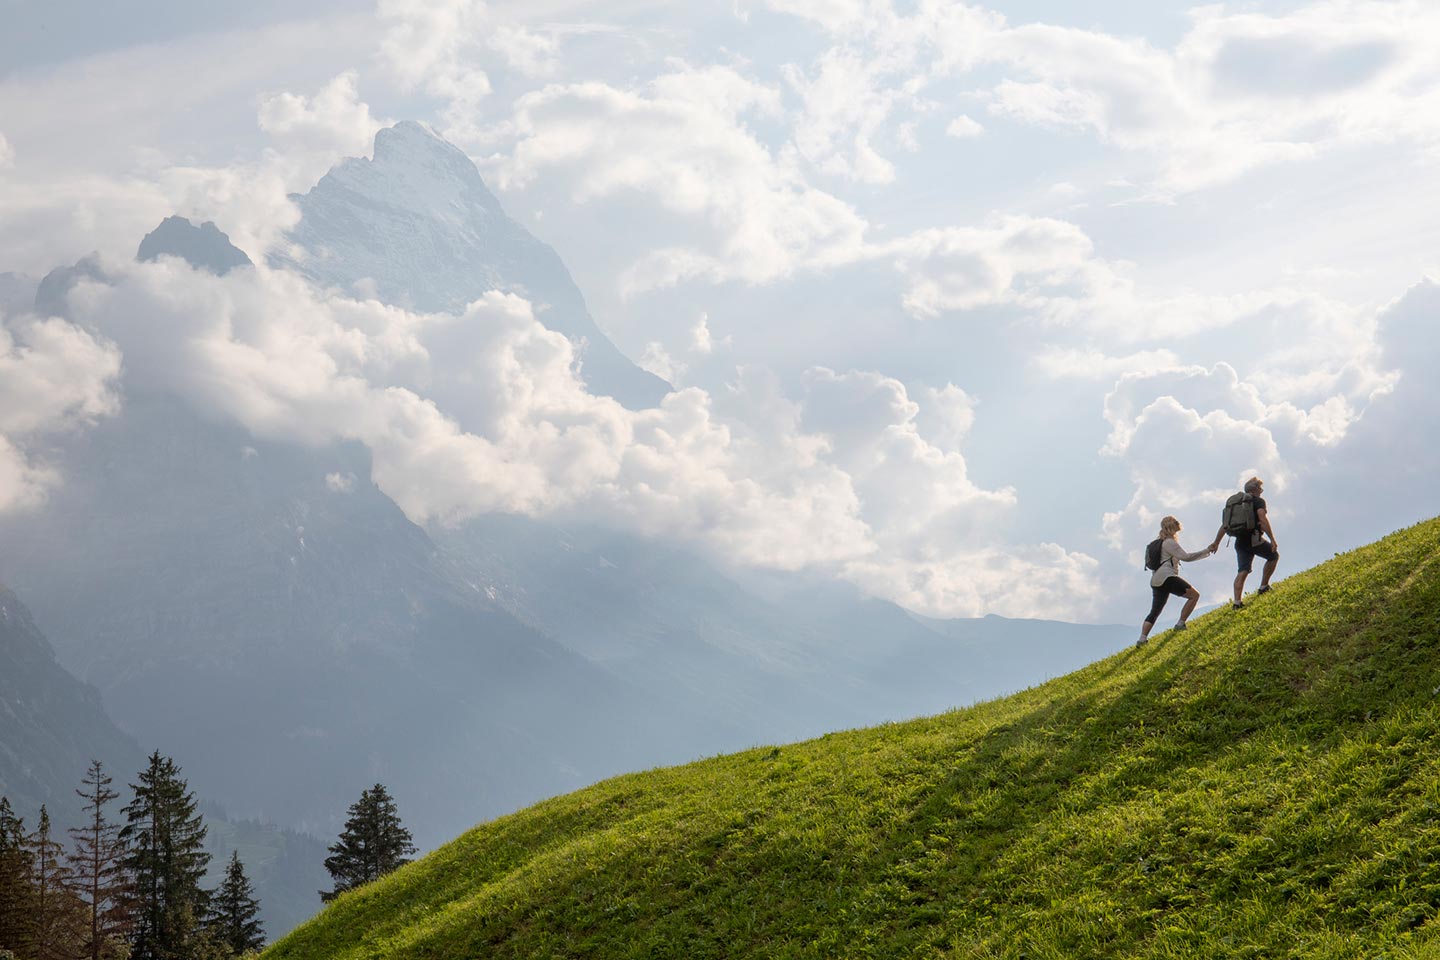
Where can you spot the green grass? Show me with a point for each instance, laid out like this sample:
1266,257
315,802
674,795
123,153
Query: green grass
1266,784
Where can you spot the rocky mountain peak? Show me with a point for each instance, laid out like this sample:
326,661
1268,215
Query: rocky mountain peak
416,227
415,170
204,247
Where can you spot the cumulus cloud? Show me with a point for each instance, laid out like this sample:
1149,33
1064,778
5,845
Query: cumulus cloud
252,197
1238,91
843,108
1186,463
1342,471
1189,434
334,121
744,212
525,51
964,127
658,361
741,211
946,415
54,377
934,529
702,341
681,143
44,222
1396,418
483,412
434,46
959,268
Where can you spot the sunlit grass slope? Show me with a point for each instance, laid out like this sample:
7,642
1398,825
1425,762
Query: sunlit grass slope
1265,785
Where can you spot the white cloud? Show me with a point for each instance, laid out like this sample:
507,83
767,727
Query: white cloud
435,45
340,482
46,222
701,340
54,377
963,128
934,529
1040,581
681,144
527,52
483,412
833,15
960,268
1238,91
658,361
251,199
334,122
1189,434
946,415
7,152
843,108
1092,364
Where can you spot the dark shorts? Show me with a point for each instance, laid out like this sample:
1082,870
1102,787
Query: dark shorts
1245,553
1173,586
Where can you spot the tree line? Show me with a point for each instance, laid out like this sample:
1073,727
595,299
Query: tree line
127,888
131,888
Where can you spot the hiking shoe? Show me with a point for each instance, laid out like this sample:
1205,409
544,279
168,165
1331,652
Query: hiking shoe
1141,642
1264,588
1179,625
1237,606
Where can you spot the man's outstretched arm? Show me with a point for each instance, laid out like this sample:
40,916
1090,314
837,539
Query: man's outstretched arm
1219,535
1263,521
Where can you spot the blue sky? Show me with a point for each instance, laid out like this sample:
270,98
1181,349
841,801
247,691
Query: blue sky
971,295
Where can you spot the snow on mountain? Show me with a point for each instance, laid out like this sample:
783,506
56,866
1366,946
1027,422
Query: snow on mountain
415,226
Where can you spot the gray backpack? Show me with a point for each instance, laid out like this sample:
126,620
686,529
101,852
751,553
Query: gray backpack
1239,515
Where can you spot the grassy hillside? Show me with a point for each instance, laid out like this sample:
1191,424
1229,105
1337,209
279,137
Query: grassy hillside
1266,784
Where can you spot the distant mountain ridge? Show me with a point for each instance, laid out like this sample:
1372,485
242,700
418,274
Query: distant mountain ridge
52,725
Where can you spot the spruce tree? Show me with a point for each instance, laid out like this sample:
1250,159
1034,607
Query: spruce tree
234,910
98,866
17,893
372,844
166,861
57,924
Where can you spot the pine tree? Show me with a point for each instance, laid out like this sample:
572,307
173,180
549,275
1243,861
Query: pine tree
17,893
372,844
166,861
98,868
57,929
234,910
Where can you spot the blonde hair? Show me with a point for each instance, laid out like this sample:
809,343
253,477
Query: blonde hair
1169,526
1252,485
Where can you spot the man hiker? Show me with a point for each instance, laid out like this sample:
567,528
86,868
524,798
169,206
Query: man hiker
1246,520
1164,557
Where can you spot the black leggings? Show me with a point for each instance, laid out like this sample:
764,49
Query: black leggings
1172,585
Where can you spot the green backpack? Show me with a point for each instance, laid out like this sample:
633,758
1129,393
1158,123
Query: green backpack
1239,515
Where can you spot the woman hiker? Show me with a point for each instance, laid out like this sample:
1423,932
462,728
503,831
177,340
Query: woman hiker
1166,580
